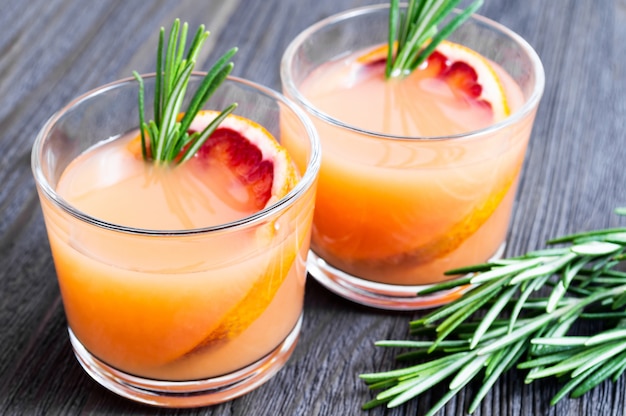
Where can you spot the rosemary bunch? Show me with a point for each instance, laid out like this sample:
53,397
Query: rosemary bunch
415,33
500,322
168,138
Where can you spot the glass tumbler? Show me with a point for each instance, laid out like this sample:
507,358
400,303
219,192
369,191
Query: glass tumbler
178,318
394,213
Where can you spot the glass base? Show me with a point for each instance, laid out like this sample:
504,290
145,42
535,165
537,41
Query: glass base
197,393
380,295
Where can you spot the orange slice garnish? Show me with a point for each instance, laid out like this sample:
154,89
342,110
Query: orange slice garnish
473,79
266,168
469,75
252,155
472,74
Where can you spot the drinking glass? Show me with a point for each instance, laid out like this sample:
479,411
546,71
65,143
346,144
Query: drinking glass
178,318
394,213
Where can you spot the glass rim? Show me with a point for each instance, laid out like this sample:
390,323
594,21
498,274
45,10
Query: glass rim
305,182
529,105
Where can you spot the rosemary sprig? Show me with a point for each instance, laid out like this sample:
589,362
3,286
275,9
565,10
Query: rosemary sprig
168,137
498,324
415,33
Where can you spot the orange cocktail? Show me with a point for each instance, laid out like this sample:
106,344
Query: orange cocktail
418,174
178,290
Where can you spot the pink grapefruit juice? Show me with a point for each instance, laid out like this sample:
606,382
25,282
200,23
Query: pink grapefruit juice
400,199
173,307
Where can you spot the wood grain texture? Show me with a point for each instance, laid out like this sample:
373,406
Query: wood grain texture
54,50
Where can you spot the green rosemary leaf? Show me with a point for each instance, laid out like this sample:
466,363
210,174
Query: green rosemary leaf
373,403
586,234
500,272
583,283
452,26
523,331
572,269
618,238
612,335
168,80
142,120
158,87
556,329
545,269
619,370
209,84
413,11
556,295
195,146
569,386
170,113
499,332
579,291
615,273
384,384
619,301
581,361
449,309
495,360
608,351
199,38
419,344
598,374
220,75
416,381
416,32
521,301
595,248
394,20
492,314
453,321
545,360
446,285
562,341
171,142
595,297
167,135
424,384
182,44
153,129
373,377
468,372
603,315
510,355
465,270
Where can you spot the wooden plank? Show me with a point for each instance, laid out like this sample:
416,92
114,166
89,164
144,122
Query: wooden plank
54,50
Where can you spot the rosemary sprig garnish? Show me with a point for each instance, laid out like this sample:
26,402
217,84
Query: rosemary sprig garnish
168,134
498,323
415,33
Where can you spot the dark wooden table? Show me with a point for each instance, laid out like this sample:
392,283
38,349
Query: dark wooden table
54,50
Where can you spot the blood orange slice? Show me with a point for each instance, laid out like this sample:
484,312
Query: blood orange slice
249,154
245,150
468,74
475,80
